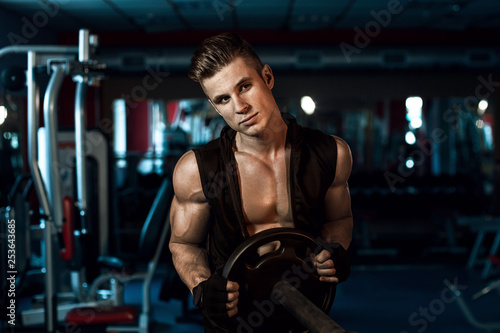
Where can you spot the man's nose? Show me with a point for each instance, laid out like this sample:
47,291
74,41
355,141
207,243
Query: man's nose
241,106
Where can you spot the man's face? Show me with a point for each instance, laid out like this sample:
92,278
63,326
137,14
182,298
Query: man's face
242,96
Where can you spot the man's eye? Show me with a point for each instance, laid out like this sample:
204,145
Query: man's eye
245,87
224,100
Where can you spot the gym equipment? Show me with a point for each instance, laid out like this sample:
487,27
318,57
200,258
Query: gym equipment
50,219
55,159
307,313
152,240
74,254
58,62
282,276
482,225
464,307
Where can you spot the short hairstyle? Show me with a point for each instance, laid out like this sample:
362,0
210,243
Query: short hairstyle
216,52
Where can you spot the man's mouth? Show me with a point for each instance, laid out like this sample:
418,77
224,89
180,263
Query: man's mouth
248,118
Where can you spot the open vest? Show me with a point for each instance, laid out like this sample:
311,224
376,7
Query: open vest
313,161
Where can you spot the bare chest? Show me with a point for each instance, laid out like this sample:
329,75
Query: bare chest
265,195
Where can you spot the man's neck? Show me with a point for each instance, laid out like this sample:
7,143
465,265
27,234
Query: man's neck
271,141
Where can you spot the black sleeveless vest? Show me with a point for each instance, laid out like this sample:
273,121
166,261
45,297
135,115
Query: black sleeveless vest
313,161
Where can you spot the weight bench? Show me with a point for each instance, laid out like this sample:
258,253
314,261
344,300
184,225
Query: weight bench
152,239
482,225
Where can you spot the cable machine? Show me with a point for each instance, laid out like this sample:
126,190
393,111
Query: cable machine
55,211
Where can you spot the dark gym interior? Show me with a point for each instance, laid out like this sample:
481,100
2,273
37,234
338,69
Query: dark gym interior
96,108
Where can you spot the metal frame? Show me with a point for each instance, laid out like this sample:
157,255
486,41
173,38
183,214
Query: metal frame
469,316
48,190
47,181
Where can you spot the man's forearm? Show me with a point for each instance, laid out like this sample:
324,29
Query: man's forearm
339,231
191,263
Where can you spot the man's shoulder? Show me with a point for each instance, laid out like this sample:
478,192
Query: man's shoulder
186,178
341,144
186,164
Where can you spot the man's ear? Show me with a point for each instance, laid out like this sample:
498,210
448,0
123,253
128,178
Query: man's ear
214,106
267,75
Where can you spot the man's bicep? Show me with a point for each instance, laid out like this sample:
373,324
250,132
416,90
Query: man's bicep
189,222
344,163
187,241
338,198
190,211
338,226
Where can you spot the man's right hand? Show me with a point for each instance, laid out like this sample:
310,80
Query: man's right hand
233,295
218,298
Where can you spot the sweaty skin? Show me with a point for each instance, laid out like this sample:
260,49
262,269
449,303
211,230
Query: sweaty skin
243,97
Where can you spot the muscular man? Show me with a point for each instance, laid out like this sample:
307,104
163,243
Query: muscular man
265,171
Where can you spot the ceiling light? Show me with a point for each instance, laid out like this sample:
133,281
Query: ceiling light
307,104
482,106
414,102
416,123
410,138
3,114
410,163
